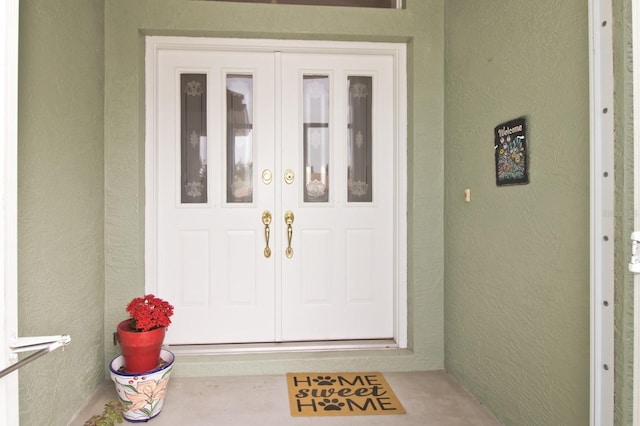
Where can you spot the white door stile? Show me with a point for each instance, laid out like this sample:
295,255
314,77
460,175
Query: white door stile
278,236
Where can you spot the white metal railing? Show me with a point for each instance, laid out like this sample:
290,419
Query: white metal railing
42,344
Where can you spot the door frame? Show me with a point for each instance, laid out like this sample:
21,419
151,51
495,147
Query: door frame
154,44
9,396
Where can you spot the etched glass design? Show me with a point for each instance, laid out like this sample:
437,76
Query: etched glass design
239,138
359,128
193,138
316,137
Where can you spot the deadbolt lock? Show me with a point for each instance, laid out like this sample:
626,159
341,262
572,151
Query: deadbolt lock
288,176
266,176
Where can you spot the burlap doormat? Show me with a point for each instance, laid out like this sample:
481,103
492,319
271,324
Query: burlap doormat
341,394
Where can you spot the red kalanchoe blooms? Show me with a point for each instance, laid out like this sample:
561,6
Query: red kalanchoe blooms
149,312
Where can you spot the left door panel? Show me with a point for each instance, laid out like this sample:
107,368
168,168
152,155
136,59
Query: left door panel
211,262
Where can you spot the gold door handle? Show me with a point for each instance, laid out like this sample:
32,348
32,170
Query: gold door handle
266,219
288,220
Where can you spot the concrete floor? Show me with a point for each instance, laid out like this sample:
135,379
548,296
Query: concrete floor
430,398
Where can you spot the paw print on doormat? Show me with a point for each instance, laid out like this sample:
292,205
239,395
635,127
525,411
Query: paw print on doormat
331,404
324,381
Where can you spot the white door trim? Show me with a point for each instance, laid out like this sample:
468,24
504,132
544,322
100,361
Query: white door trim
9,410
602,211
156,44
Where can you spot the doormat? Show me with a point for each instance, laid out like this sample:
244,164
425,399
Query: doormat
341,394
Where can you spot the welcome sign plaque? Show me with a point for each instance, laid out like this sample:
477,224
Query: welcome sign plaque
511,156
341,394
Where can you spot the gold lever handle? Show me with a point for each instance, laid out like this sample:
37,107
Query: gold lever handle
288,220
266,219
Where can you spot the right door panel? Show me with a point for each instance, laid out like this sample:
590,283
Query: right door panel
338,137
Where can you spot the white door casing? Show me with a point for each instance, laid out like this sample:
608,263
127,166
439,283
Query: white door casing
339,248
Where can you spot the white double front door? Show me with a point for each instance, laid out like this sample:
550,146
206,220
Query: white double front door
271,192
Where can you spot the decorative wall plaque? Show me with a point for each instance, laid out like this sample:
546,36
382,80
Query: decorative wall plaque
510,144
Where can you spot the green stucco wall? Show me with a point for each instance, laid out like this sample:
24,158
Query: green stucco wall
421,25
517,258
512,321
60,203
624,212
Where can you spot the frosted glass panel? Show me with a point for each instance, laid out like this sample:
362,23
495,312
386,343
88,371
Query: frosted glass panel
193,139
239,138
359,172
316,137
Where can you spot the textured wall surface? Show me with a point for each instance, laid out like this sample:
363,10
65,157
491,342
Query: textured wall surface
624,212
421,24
516,307
60,203
517,258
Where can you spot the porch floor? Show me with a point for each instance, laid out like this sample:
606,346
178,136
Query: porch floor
431,398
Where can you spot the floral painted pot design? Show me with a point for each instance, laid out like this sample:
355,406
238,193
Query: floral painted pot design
142,393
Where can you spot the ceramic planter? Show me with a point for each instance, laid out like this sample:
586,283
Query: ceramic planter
142,393
140,349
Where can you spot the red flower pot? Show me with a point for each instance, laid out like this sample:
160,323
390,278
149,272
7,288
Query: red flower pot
140,349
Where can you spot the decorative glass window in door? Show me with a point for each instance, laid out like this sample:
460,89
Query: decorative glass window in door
316,137
359,127
239,138
193,143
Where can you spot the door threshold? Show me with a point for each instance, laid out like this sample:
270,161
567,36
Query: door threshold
275,347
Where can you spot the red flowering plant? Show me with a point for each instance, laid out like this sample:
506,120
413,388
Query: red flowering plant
149,312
